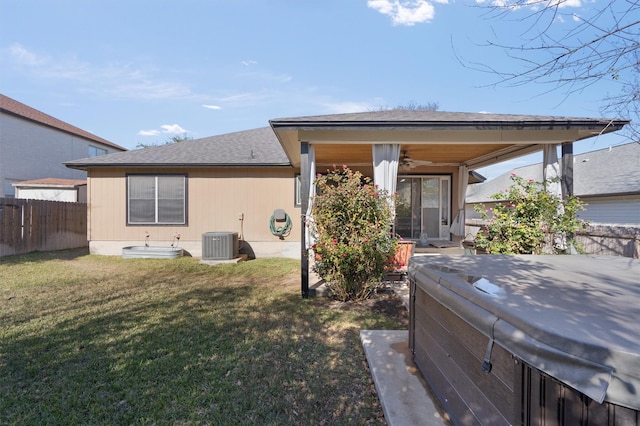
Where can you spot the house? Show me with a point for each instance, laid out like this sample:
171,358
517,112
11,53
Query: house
236,182
607,180
52,189
227,183
34,145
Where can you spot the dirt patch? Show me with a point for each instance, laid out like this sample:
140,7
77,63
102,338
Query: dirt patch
385,303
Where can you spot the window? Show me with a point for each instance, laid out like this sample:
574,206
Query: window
94,151
156,199
423,207
297,190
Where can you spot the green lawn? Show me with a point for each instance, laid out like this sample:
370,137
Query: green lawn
105,340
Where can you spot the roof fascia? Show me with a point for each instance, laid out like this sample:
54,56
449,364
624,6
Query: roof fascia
610,126
86,166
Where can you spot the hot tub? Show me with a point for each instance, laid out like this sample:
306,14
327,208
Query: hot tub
529,339
151,252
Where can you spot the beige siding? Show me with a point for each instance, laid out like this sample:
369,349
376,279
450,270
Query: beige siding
216,199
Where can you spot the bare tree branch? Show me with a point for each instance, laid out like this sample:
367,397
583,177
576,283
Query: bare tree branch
570,51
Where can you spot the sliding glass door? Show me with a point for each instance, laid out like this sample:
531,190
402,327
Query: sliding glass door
423,207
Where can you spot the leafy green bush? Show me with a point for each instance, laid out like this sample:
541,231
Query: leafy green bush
530,220
352,226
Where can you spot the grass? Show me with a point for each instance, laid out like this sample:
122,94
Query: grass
105,340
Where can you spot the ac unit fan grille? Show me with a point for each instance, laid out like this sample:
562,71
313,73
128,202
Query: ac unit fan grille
219,245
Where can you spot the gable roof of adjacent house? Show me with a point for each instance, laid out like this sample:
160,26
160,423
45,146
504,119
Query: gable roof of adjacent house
249,148
18,109
605,172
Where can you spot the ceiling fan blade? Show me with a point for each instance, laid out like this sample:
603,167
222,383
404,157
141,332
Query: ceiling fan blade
422,162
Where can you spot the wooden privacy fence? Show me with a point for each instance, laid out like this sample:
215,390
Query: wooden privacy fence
37,225
611,240
597,239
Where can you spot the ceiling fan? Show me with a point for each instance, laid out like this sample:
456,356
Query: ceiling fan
407,162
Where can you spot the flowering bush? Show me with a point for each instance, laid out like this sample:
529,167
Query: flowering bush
352,226
530,221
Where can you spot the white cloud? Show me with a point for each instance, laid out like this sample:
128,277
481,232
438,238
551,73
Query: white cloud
249,62
144,89
211,106
174,129
111,80
25,57
407,13
347,107
247,99
533,4
568,3
149,132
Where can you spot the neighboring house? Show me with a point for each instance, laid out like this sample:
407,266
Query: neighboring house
52,189
34,145
235,182
607,180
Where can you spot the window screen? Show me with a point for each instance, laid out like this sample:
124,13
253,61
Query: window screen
157,199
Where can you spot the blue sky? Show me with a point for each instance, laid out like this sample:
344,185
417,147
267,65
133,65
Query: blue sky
142,71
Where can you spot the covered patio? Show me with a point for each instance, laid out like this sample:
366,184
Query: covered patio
426,157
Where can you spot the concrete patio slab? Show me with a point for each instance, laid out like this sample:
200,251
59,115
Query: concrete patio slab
404,395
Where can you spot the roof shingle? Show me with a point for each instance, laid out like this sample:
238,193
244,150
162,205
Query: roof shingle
610,171
256,147
437,117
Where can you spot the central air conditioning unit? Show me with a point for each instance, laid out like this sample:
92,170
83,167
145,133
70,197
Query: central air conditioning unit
219,245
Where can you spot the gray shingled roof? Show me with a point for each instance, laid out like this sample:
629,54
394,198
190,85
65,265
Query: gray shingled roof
256,147
409,117
611,171
18,109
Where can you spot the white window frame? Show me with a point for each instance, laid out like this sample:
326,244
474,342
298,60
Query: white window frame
156,200
444,202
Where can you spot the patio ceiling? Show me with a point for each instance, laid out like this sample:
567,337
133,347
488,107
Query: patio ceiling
435,154
442,138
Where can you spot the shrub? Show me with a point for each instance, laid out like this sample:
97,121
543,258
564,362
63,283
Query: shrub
352,226
531,220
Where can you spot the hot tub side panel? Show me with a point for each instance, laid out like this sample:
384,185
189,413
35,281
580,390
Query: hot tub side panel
546,401
449,352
